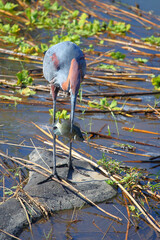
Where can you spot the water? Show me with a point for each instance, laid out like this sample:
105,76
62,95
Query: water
16,128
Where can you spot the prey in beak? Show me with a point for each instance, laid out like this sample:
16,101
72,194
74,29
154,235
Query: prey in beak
63,128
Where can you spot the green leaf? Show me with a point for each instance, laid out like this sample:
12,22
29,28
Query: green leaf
152,40
118,27
60,115
105,66
24,78
132,207
101,42
8,192
75,14
55,6
26,91
10,98
156,82
10,6
141,60
117,55
113,104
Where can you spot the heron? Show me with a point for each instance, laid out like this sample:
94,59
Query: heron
64,66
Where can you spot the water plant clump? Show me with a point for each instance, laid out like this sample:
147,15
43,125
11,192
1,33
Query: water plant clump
60,114
66,26
118,27
103,103
132,178
141,60
110,165
156,82
23,78
117,55
8,28
106,67
152,40
8,6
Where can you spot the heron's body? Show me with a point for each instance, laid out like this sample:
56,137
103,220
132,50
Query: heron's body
57,62
64,67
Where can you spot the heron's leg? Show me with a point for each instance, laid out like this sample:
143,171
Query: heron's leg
54,144
54,91
70,167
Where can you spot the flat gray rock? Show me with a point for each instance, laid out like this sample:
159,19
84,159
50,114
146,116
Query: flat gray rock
52,195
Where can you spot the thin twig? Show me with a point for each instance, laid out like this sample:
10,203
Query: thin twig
14,237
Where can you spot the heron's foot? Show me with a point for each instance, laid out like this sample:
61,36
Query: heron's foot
50,178
70,172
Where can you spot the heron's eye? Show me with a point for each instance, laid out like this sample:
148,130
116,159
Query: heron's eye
55,127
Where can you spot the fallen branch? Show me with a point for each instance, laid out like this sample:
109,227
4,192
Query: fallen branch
14,237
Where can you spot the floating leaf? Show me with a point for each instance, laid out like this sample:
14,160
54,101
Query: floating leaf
60,115
10,98
105,66
156,82
117,55
141,60
24,78
26,91
152,40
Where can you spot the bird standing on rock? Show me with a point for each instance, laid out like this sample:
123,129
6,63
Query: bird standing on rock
64,66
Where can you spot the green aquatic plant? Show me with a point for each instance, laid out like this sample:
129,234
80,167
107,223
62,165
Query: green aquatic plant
12,39
106,67
10,191
37,18
118,27
141,60
124,146
51,6
5,97
68,26
117,56
109,131
111,165
152,40
8,6
156,82
26,91
60,114
61,38
8,28
130,176
135,211
103,103
23,78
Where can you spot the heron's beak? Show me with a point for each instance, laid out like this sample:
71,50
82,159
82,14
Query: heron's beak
73,104
74,79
